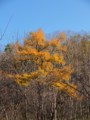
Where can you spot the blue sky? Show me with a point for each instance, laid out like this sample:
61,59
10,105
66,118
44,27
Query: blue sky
50,15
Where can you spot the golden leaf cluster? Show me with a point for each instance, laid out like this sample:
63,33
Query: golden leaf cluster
47,60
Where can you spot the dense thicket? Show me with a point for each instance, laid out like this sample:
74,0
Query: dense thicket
35,78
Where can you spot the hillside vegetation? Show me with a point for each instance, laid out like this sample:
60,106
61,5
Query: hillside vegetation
46,79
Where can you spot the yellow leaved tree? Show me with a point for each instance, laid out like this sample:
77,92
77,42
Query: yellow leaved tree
45,61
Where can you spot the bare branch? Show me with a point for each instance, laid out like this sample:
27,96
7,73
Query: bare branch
5,28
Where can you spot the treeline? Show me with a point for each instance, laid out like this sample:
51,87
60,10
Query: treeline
46,80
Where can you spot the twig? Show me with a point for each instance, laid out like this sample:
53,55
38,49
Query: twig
5,28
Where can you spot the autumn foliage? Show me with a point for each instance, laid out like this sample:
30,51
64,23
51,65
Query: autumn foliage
44,79
45,60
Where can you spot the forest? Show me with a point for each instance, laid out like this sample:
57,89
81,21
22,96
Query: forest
46,78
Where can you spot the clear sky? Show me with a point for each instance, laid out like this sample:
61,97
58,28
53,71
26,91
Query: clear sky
50,15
